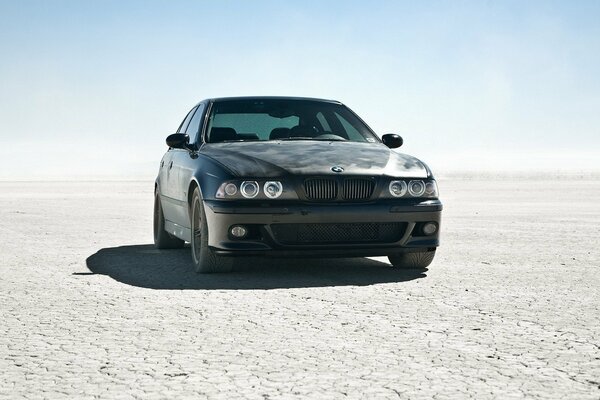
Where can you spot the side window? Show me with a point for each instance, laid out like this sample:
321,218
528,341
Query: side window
186,121
194,125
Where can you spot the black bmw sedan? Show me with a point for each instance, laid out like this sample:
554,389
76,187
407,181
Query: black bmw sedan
295,177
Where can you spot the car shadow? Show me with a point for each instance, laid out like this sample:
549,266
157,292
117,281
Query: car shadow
145,266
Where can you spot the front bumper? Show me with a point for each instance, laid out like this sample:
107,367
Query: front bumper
264,220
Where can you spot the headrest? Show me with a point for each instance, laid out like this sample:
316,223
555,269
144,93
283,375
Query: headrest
301,131
222,134
279,133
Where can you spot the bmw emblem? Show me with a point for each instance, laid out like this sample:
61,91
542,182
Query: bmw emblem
337,168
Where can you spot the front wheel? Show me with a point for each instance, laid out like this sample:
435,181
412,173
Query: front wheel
412,260
205,259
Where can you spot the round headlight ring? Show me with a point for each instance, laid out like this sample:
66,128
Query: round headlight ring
397,188
230,189
416,188
273,189
249,189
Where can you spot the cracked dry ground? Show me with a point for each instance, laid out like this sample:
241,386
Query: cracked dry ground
509,308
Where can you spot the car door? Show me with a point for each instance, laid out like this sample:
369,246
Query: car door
181,171
167,177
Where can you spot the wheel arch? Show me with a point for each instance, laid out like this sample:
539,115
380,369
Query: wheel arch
206,175
191,187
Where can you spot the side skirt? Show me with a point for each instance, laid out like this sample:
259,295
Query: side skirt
178,231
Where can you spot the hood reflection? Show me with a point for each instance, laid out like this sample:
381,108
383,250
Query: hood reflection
279,158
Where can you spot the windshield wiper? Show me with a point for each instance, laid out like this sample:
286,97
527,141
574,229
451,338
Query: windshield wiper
329,139
298,138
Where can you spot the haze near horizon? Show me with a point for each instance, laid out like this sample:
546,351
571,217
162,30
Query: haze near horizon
91,90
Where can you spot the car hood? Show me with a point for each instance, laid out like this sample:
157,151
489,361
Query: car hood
280,158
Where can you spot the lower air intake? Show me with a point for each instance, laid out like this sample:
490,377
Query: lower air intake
345,233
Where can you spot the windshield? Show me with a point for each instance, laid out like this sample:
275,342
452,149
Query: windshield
274,119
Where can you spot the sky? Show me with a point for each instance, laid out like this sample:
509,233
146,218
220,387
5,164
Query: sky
90,89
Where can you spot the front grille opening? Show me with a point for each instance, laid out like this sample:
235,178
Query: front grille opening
321,189
343,233
328,189
358,189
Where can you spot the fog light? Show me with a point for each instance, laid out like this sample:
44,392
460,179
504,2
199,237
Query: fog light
429,228
238,231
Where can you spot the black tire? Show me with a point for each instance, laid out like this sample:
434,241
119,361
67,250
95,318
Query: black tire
412,260
205,259
163,239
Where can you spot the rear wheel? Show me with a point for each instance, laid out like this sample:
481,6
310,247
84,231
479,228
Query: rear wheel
205,259
412,260
163,239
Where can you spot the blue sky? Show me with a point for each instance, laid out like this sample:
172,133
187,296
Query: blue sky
92,88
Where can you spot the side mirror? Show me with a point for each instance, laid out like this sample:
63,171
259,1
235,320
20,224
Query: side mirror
392,140
178,140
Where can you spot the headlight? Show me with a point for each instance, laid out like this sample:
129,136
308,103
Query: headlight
431,189
255,190
221,194
230,189
416,188
249,189
397,188
273,189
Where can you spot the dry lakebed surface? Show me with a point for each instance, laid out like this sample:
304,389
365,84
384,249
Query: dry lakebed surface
510,307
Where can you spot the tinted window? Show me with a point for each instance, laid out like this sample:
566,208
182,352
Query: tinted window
256,123
194,125
351,131
274,119
323,122
186,121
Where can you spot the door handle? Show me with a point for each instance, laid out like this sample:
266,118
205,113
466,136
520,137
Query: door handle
162,163
171,165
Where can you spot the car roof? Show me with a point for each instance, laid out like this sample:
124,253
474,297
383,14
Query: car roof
222,99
